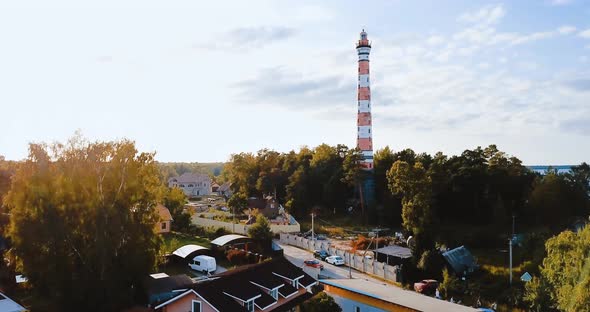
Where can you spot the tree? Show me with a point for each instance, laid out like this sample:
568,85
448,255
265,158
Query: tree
175,199
565,274
260,230
321,302
450,285
237,202
82,222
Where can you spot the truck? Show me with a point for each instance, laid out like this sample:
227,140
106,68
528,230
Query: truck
202,263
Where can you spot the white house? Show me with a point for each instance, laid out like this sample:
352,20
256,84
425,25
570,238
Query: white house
192,184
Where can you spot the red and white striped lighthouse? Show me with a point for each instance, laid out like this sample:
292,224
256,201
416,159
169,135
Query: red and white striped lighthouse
364,136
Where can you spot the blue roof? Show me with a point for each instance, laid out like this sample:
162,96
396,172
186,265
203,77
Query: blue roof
460,259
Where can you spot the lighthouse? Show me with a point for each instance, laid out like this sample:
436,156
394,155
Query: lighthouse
364,139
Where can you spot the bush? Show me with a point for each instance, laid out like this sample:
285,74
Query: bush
431,263
363,242
237,256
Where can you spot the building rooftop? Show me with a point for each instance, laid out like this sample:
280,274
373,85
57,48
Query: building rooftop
396,295
396,251
190,177
8,305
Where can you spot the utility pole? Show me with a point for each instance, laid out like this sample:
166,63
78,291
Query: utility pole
510,248
349,265
513,223
312,233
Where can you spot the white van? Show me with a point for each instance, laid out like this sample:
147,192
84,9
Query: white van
205,264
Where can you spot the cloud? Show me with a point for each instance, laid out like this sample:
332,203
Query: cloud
566,29
489,14
292,89
248,37
580,85
560,2
577,125
585,33
435,40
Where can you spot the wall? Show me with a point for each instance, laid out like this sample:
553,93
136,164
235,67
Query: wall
184,304
369,266
349,301
242,228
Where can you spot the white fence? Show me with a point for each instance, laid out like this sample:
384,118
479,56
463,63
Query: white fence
370,266
240,228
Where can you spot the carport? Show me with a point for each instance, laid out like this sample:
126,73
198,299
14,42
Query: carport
189,251
231,240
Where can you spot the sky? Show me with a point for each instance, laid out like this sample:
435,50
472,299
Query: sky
196,81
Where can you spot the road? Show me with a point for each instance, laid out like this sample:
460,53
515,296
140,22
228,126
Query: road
297,256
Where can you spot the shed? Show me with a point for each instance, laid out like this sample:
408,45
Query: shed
393,254
461,260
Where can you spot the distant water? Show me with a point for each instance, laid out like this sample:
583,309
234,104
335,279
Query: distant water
543,169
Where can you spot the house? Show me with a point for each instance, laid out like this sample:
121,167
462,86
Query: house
267,206
192,184
165,218
9,305
225,190
215,189
361,295
161,287
275,285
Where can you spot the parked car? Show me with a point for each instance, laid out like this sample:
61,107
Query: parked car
335,260
205,264
321,254
321,237
314,264
426,286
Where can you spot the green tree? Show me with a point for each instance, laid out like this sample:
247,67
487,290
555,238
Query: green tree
450,285
565,274
82,223
237,202
260,230
321,302
174,199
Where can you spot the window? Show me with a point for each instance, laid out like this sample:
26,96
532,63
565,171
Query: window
163,225
197,262
249,305
190,185
357,309
197,306
182,185
274,293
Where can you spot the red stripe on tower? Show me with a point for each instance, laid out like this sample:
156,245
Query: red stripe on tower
364,121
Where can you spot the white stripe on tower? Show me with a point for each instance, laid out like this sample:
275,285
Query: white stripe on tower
364,139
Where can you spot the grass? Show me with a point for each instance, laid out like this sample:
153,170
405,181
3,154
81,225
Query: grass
174,240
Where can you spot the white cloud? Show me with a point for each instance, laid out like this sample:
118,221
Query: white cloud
489,14
560,2
585,33
566,29
435,40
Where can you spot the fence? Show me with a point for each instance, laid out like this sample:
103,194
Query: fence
240,228
370,266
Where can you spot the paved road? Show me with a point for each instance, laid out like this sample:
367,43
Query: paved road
298,255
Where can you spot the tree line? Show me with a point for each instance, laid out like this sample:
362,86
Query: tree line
481,186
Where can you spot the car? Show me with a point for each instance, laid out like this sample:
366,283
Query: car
321,254
314,264
335,260
202,263
426,286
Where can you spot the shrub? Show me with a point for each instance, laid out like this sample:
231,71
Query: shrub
237,256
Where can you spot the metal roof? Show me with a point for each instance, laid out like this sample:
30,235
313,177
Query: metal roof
394,295
222,240
395,251
460,259
186,250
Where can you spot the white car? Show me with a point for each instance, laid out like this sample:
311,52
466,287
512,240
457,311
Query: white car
335,260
